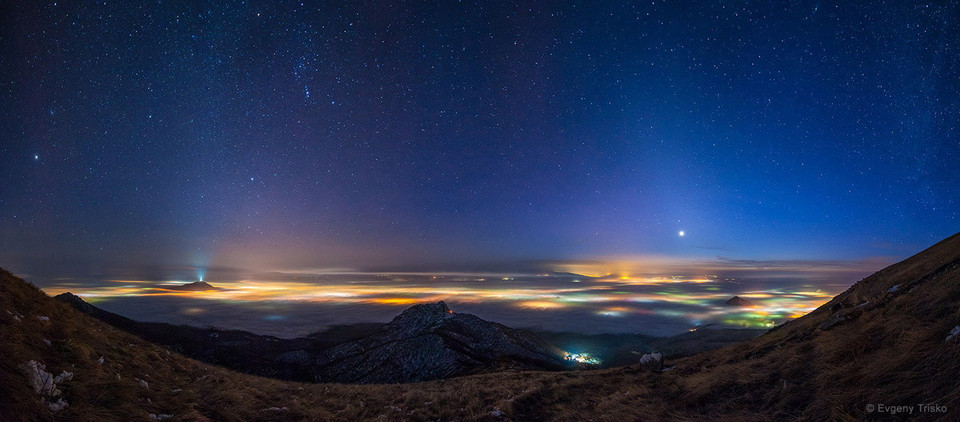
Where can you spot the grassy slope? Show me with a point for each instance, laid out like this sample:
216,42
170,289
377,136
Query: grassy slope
890,350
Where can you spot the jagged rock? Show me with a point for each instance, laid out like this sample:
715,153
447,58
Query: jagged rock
45,384
431,342
58,405
42,381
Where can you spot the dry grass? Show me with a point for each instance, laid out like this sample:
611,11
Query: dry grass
890,351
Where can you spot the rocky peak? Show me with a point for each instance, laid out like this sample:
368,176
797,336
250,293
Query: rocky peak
421,317
738,301
75,301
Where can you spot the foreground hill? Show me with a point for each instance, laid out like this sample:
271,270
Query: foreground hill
891,339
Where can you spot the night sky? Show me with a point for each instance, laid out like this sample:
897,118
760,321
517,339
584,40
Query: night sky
459,135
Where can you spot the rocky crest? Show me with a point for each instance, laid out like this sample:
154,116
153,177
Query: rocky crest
431,342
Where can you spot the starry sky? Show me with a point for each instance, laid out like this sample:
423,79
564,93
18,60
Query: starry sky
462,135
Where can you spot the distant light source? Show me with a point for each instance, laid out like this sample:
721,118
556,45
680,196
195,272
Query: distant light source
682,233
584,358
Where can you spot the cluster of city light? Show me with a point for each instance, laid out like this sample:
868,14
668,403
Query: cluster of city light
691,298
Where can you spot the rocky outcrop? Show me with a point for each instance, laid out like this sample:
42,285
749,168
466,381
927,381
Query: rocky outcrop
430,341
651,362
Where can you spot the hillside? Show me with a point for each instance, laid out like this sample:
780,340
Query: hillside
425,342
889,339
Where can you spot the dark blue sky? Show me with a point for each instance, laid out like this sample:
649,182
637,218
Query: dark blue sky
406,134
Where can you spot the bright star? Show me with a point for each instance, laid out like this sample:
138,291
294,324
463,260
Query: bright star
36,157
682,233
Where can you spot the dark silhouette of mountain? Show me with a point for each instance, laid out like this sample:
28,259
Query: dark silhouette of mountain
432,342
424,342
196,286
738,301
239,350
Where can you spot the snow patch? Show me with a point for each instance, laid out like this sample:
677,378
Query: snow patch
43,318
160,417
497,413
893,289
100,361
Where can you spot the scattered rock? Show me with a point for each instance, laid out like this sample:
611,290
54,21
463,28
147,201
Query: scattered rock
275,409
953,333
100,361
141,383
160,417
651,362
58,405
47,342
41,380
45,384
497,413
893,289
43,318
64,376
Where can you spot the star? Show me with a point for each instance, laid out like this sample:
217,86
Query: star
36,157
682,233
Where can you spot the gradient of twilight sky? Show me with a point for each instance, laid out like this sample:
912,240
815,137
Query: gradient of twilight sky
141,136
